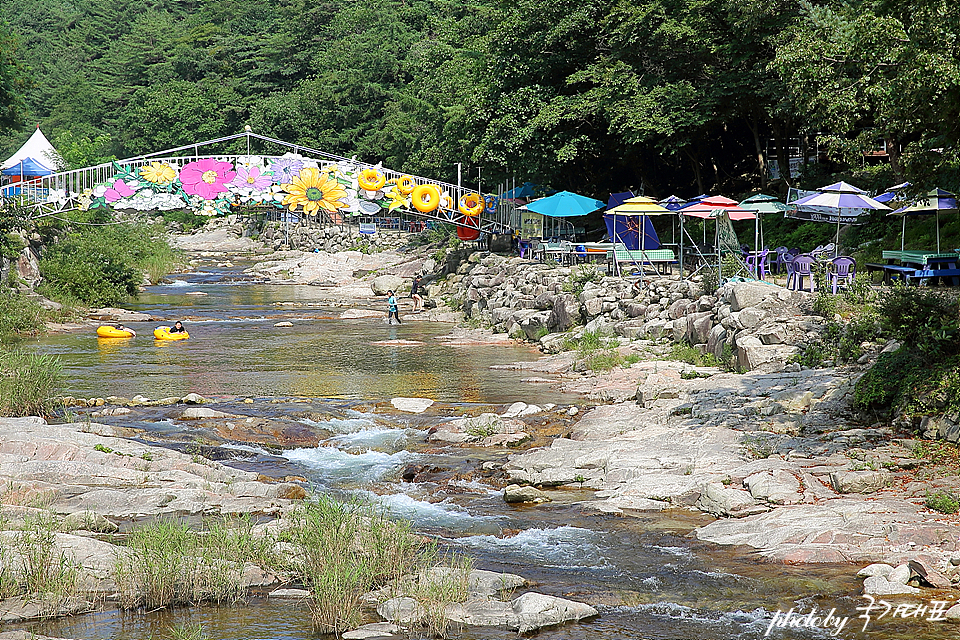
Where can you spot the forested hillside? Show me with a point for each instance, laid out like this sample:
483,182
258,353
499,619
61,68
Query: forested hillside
589,95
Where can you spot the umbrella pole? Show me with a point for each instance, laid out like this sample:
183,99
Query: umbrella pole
680,222
938,230
756,247
903,232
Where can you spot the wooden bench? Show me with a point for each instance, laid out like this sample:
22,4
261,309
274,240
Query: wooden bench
639,257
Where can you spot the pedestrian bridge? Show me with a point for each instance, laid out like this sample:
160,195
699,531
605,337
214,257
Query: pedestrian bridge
251,173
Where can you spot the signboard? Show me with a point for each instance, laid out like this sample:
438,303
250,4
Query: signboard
368,228
531,225
809,213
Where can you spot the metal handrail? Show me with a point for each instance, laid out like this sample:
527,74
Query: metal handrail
68,185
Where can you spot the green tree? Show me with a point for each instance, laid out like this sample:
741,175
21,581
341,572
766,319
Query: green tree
14,81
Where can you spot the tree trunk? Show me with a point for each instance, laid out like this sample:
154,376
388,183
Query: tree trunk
753,123
783,151
696,170
893,151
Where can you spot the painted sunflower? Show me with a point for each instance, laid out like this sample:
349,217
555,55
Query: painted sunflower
158,173
314,190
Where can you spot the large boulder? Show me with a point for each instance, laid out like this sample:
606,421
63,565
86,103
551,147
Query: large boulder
865,481
723,501
565,313
382,284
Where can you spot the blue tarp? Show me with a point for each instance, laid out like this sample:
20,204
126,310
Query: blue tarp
27,167
626,230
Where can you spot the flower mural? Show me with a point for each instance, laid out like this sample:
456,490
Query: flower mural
117,189
251,178
214,186
285,169
206,178
158,173
314,190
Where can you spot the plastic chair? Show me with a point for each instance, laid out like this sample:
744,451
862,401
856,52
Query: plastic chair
780,261
842,269
800,267
757,264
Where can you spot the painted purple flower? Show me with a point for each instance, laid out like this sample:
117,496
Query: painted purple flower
206,178
251,178
119,189
285,169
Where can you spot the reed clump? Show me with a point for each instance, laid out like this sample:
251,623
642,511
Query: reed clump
33,565
28,383
168,563
344,550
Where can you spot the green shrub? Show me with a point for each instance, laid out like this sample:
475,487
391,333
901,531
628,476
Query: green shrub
922,318
686,352
943,502
169,563
346,550
102,266
883,385
186,218
28,383
580,275
19,315
603,360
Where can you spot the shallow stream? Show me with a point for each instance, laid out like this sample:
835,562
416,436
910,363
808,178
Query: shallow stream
647,577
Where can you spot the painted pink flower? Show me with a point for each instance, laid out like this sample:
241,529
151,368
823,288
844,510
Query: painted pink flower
206,178
119,189
251,178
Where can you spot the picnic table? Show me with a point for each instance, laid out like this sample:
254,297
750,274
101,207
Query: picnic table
920,267
639,257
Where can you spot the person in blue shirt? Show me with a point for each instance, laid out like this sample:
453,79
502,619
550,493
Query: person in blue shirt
394,311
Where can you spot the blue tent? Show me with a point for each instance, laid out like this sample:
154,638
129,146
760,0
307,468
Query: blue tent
27,167
526,190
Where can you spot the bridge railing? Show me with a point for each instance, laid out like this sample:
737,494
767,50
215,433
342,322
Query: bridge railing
59,192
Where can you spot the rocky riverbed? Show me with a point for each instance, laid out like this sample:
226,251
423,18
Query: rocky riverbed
776,454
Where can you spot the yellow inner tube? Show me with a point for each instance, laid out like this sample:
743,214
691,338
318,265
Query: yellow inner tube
163,333
472,204
406,185
112,332
371,180
426,198
446,202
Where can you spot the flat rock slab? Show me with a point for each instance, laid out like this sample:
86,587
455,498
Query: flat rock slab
357,314
88,467
375,630
412,405
838,530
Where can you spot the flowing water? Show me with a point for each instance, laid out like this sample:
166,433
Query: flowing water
647,577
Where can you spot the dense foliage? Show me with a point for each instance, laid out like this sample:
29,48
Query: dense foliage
668,95
103,265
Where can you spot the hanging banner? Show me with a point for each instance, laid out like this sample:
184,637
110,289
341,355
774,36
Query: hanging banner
368,228
531,225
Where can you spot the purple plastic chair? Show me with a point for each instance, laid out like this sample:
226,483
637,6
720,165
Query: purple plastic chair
798,268
843,269
757,264
780,261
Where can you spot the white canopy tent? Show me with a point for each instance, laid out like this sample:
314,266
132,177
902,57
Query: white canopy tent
39,149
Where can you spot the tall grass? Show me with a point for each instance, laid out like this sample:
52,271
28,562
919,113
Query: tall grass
28,382
31,564
19,315
446,582
167,562
344,551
